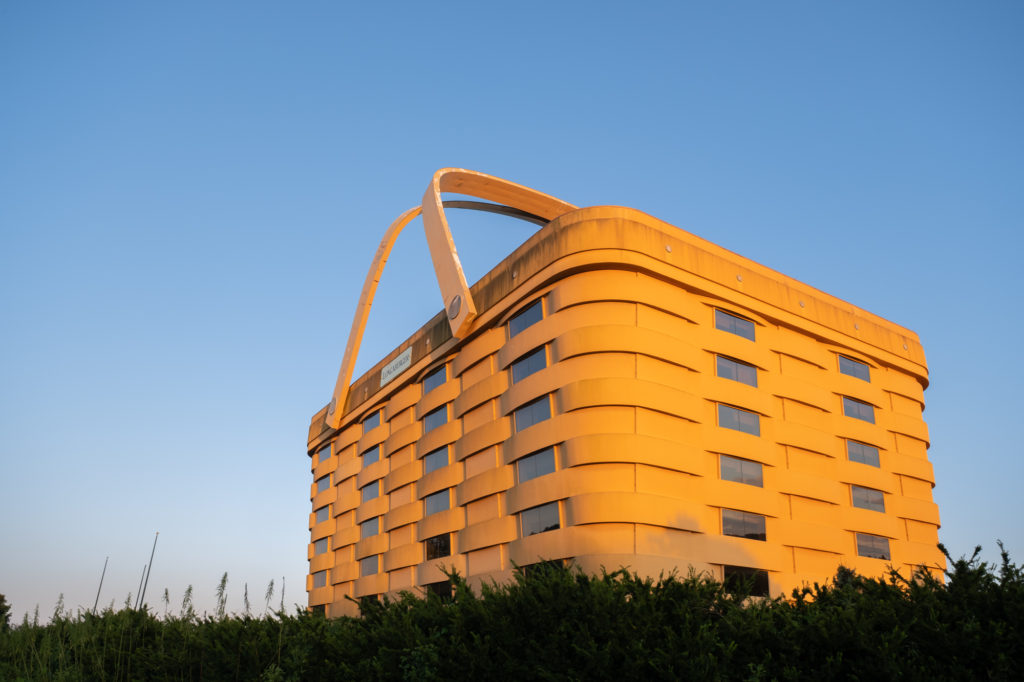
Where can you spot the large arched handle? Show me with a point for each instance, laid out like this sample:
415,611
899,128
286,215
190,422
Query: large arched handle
455,294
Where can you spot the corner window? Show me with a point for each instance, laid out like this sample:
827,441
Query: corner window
741,471
744,580
863,453
370,565
438,546
540,519
854,368
322,514
435,503
527,317
531,413
734,324
858,410
537,464
435,379
728,368
323,483
435,460
323,454
740,524
873,546
320,546
435,418
867,498
371,456
369,491
369,528
739,420
530,363
320,579
372,421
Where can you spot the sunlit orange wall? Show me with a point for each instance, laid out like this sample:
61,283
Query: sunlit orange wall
631,348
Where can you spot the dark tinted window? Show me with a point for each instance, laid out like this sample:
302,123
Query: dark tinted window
530,315
370,491
528,364
435,379
435,503
435,460
741,471
320,546
532,413
737,371
860,452
733,324
858,410
322,514
323,483
370,565
537,464
867,498
372,455
442,589
854,368
372,422
369,527
540,519
320,579
435,418
739,420
873,546
438,546
743,580
743,525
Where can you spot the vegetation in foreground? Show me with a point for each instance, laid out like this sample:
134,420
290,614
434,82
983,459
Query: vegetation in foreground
560,624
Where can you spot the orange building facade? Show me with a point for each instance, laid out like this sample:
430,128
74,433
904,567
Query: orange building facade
619,392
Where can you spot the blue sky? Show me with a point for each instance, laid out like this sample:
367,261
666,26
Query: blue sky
190,195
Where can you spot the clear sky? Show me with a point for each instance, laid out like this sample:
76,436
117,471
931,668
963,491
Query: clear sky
190,194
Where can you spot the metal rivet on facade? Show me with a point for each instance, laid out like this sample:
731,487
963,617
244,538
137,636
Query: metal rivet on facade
739,278
668,248
856,326
802,304
515,273
904,346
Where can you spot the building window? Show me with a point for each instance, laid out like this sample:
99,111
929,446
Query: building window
323,483
370,565
854,368
438,546
323,454
435,418
369,528
737,371
537,464
740,524
532,413
739,420
528,316
744,580
734,324
320,579
540,519
435,503
369,491
741,471
860,452
435,460
858,410
529,364
442,589
873,546
322,514
320,546
435,379
867,498
372,455
373,421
